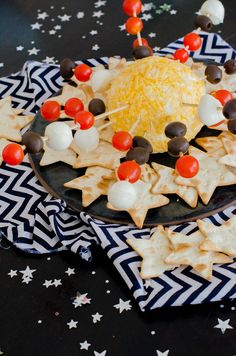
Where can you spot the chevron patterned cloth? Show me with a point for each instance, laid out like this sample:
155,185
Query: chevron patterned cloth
35,222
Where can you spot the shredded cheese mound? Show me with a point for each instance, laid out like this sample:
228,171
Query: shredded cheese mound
156,88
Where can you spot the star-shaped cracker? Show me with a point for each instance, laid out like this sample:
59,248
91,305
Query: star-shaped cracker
186,251
92,183
211,175
219,238
148,175
51,156
230,157
3,143
166,185
69,91
10,122
214,144
105,155
154,252
145,201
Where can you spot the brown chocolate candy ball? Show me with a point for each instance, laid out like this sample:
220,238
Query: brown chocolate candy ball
32,141
139,141
66,68
140,52
175,129
230,66
138,154
96,106
229,110
177,145
203,22
213,74
232,126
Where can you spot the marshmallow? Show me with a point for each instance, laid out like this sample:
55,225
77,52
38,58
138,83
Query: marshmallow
210,110
122,195
213,9
87,140
59,136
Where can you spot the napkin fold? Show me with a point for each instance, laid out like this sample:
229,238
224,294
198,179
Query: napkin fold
35,222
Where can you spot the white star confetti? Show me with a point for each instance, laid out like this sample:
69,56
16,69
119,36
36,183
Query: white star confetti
152,34
36,26
81,300
223,325
122,27
57,282
47,283
26,280
93,32
96,317
95,47
57,27
70,271
52,32
19,48
64,18
98,14
84,345
148,6
100,3
146,17
103,353
155,49
72,324
165,353
49,60
33,51
123,305
12,273
27,272
173,12
42,16
80,15
165,7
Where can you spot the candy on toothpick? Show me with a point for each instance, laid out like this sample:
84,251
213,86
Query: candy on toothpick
66,68
187,166
177,146
213,74
223,96
122,195
122,140
86,140
59,136
203,22
51,110
97,106
230,66
210,110
85,119
83,72
72,106
213,9
32,141
129,170
13,154
229,109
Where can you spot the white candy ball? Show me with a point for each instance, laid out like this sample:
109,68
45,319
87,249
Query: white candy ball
59,136
101,79
122,195
210,110
213,9
87,140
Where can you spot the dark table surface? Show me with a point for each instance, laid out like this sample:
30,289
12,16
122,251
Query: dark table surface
33,318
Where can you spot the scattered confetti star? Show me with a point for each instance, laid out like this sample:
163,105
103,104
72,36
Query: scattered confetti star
42,16
173,12
19,48
165,353
152,34
72,324
39,321
36,26
47,283
84,345
103,353
81,300
153,332
123,305
64,18
100,3
95,47
223,325
146,17
52,32
80,15
49,60
26,280
155,49
159,12
57,282
70,271
96,317
108,291
57,27
27,272
12,273
33,51
93,272
93,32
98,13
165,7
107,281
122,27
148,6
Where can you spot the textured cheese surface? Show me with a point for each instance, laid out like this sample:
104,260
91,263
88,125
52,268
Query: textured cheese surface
155,89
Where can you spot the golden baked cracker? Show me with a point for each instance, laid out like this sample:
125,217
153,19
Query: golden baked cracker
154,252
145,201
69,91
92,184
51,156
10,122
105,155
211,175
230,158
148,175
210,144
219,238
166,185
107,133
3,143
186,251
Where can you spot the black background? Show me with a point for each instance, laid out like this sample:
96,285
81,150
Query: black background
184,330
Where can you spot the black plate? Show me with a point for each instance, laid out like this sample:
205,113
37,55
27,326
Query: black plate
53,177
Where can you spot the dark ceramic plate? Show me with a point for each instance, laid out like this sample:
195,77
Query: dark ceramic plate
53,177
